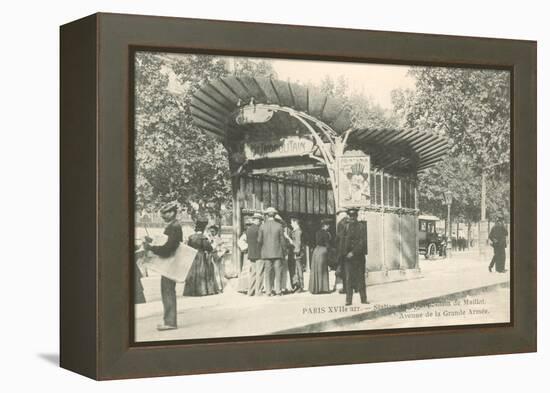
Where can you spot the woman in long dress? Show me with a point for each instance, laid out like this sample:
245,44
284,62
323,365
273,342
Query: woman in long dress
201,279
218,252
244,276
318,276
286,282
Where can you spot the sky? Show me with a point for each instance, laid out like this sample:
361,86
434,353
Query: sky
374,80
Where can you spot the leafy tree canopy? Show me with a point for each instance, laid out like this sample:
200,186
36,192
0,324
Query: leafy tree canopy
174,159
364,111
471,107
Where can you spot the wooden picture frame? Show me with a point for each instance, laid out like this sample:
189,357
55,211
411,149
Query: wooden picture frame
96,196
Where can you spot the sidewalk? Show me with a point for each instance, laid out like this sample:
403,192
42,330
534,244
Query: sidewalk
234,314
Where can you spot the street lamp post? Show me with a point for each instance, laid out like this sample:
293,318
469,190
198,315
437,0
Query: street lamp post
448,198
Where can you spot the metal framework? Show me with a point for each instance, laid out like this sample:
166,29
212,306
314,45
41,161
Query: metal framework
406,150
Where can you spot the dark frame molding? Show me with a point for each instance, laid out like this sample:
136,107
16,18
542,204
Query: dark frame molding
95,272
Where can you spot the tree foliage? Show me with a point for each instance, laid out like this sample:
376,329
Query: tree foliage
455,174
472,108
174,159
365,112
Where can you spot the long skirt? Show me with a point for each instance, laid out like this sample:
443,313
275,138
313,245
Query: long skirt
318,276
245,276
201,279
217,262
286,282
139,297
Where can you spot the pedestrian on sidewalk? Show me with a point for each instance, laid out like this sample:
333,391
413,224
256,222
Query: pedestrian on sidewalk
342,219
498,237
219,250
272,241
139,296
353,248
318,276
256,277
201,279
295,256
167,286
244,276
286,279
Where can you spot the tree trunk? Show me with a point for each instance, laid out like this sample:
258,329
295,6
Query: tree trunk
469,234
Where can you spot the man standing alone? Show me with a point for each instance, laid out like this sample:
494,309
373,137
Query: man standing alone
271,240
353,248
168,286
342,220
498,237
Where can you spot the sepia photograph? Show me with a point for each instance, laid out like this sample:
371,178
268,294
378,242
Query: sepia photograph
286,196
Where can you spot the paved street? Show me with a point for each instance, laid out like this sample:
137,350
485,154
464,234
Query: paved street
235,314
491,304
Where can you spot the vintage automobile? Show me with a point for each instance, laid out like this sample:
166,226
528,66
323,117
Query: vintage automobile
430,243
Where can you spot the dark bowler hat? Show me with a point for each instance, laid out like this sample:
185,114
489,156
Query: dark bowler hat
201,223
215,227
169,207
352,210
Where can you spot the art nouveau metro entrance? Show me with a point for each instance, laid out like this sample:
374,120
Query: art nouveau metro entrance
297,150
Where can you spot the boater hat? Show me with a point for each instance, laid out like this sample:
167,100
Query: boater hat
271,211
258,215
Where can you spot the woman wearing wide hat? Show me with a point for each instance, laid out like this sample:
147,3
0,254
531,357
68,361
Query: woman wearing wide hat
318,276
201,279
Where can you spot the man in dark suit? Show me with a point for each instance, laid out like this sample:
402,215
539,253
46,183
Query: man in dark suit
271,240
256,279
295,256
353,248
498,237
167,286
342,220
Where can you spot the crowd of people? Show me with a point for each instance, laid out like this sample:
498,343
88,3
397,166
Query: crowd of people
460,243
274,258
